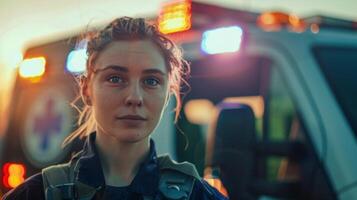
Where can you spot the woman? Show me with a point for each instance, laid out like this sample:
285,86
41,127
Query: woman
131,72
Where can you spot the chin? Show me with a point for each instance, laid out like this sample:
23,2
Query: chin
131,136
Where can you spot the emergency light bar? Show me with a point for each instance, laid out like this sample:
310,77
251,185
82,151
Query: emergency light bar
76,61
222,40
175,17
274,21
32,67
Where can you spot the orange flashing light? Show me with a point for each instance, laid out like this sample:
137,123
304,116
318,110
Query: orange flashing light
32,68
14,174
296,24
175,17
268,19
294,20
273,21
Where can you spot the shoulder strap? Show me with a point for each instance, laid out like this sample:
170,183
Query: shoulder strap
176,179
59,183
165,162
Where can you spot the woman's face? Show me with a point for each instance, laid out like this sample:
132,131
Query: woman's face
128,90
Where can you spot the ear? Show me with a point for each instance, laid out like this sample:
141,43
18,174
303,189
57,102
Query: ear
84,89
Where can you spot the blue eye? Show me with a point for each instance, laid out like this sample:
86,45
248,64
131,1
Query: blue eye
152,82
115,79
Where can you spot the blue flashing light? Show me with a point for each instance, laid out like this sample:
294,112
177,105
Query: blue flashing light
76,61
222,40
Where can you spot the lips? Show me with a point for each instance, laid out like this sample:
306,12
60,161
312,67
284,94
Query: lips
131,117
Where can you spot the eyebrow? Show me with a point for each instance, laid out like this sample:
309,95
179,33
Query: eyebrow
113,67
154,71
126,70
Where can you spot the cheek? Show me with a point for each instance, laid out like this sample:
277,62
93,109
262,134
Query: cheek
157,103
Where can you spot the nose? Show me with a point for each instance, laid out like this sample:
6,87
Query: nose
134,96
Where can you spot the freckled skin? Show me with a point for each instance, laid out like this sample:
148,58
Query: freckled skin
132,90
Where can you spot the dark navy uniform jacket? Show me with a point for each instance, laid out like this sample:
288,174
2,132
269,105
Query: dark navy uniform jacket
145,183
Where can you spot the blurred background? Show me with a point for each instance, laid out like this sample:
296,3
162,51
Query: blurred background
292,66
26,22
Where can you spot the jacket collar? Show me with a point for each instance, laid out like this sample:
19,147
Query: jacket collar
89,169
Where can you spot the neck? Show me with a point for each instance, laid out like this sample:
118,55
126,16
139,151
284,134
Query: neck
120,160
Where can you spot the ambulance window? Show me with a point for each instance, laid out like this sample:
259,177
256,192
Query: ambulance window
283,123
338,65
280,120
214,79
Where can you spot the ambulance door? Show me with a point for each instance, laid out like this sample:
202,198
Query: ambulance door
40,115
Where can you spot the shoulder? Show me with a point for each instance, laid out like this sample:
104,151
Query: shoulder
202,190
32,188
186,168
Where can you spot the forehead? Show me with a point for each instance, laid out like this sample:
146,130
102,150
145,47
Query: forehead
131,53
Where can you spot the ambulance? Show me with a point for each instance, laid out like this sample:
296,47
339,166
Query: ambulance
270,113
